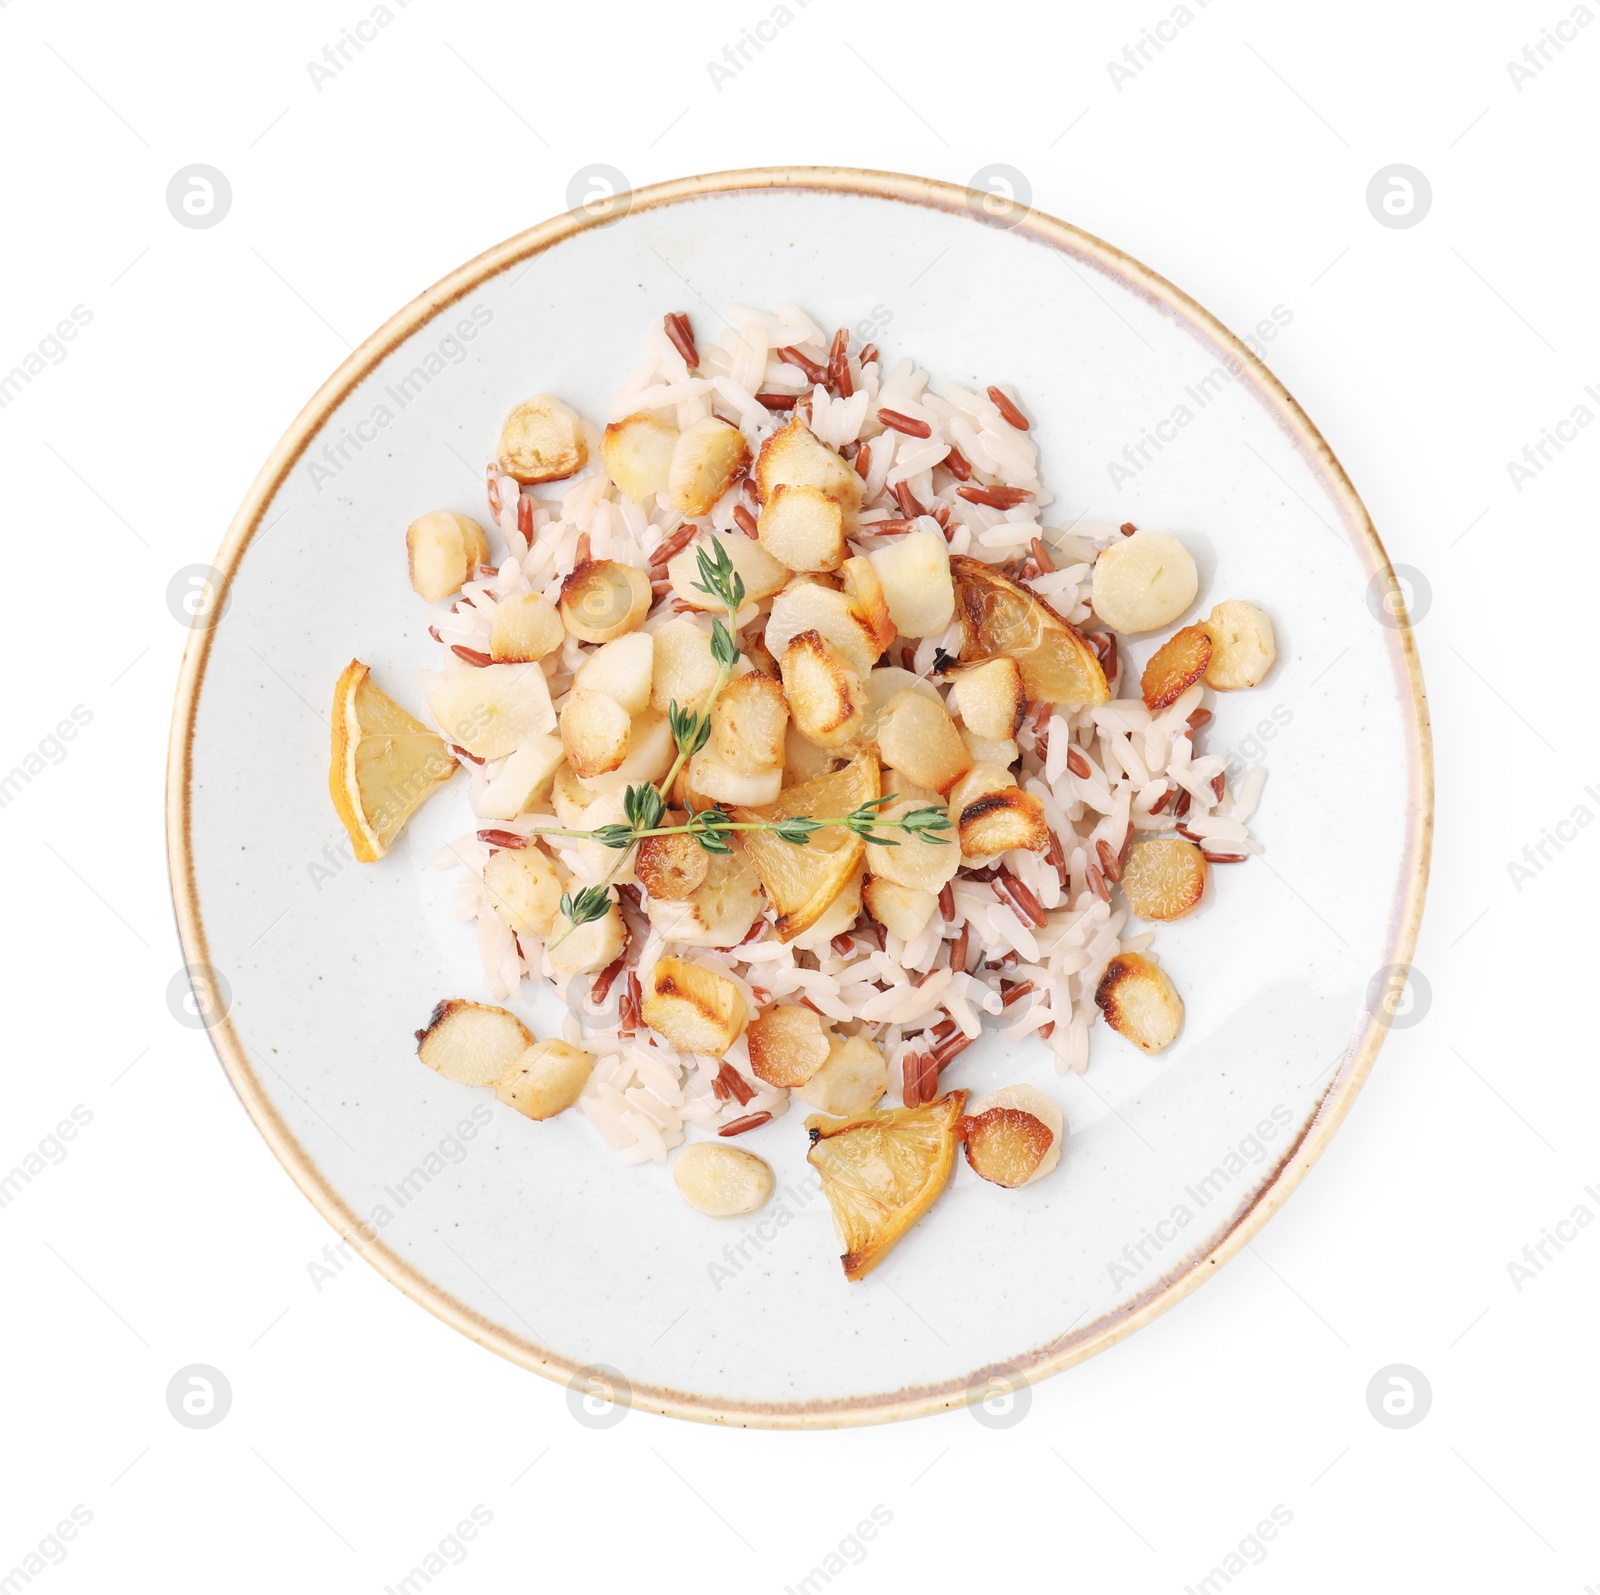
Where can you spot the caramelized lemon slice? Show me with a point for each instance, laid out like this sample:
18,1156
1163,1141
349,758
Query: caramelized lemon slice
385,764
881,1172
801,881
999,617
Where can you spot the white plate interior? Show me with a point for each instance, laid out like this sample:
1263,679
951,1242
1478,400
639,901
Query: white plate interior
537,1228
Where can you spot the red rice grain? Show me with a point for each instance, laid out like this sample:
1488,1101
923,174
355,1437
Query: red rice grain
750,1122
676,326
1020,900
508,839
839,364
601,989
792,356
908,424
1110,865
909,507
998,498
1009,413
737,1086
958,950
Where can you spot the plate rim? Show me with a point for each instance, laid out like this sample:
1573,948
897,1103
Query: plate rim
1252,1215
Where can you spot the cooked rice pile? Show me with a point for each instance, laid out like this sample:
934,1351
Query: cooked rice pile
1105,775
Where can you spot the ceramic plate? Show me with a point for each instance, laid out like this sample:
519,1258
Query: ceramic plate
534,1239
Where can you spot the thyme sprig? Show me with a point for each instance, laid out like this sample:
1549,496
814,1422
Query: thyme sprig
644,807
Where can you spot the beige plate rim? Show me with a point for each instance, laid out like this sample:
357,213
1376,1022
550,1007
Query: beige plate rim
1068,1349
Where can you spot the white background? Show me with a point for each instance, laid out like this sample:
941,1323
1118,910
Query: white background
1236,163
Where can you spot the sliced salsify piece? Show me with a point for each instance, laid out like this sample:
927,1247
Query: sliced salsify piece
1164,878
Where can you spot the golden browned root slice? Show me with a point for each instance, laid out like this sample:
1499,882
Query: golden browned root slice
443,549
586,949
491,712
527,626
472,1043
760,655
384,764
525,778
542,440
594,732
637,451
1242,645
523,888
802,881
824,694
993,815
868,602
999,617
603,600
651,751
833,615
705,460
903,911
693,1009
748,723
788,1044
924,862
671,868
803,528
546,1080
761,574
1164,878
1006,1145
710,779
917,738
1143,581
1036,1105
719,912
1140,1002
722,1181
852,1079
794,457
881,1171
915,573
1175,667
991,698
684,670
621,670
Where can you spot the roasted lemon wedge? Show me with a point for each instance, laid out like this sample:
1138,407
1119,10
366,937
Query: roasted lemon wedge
802,880
385,764
881,1172
999,617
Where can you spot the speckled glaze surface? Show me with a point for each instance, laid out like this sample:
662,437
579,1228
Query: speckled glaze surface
533,1239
